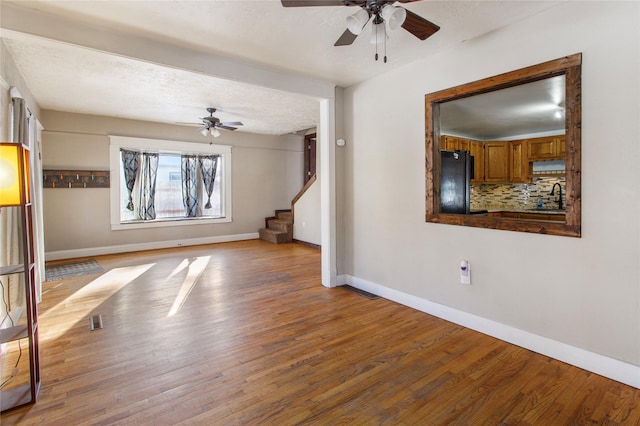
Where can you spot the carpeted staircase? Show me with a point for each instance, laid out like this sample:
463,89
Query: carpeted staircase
279,228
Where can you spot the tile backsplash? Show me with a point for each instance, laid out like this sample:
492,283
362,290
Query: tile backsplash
517,196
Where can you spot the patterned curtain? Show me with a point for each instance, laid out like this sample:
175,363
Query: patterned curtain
20,123
208,166
190,185
148,185
131,164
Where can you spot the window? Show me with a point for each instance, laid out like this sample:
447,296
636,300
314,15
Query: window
571,68
135,203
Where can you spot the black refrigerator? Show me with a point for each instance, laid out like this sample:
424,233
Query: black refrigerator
455,188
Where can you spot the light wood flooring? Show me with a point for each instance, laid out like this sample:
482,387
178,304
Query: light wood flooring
244,334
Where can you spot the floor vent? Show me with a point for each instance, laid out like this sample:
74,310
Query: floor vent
95,322
360,292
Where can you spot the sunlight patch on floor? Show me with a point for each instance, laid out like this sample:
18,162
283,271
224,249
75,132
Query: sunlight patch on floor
81,303
196,268
179,268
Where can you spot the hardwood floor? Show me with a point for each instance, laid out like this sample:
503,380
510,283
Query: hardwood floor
244,333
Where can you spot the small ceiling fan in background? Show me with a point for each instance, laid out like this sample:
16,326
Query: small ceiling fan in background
379,12
211,124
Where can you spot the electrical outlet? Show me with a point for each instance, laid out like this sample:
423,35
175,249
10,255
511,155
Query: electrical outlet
465,272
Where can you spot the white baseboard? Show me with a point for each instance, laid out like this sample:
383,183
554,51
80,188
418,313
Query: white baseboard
342,279
608,367
124,248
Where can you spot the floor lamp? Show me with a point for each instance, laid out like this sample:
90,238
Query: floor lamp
15,192
15,185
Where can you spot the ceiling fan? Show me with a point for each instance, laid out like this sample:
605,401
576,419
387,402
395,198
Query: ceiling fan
211,124
377,11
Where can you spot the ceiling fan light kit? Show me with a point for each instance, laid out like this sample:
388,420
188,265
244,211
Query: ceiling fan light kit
378,34
394,16
210,125
357,21
382,11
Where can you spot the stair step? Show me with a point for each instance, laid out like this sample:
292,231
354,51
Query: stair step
279,228
284,215
280,225
275,237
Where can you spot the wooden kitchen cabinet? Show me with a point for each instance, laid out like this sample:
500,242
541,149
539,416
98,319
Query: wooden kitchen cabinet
546,148
562,147
518,162
449,143
496,161
477,152
476,148
506,161
454,143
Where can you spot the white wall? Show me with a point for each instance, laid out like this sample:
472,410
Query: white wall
306,226
340,193
265,170
294,167
583,292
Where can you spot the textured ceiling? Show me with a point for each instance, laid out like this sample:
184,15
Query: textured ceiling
295,41
522,110
89,82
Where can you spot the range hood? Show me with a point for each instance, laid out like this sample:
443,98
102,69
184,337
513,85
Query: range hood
548,168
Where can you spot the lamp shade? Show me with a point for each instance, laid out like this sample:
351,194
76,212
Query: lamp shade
357,21
378,33
15,185
394,16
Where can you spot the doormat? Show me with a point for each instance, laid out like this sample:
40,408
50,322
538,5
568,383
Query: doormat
362,293
71,269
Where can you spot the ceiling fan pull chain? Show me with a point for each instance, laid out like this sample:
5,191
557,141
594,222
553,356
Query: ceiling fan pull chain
375,27
385,49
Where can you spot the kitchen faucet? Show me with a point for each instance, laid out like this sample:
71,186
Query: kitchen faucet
553,188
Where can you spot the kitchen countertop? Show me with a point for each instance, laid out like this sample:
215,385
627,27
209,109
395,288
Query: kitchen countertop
542,211
545,211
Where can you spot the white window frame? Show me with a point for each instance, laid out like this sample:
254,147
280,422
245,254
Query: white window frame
165,146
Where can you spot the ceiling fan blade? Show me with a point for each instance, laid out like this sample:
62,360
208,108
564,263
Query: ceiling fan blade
346,38
189,124
225,127
418,26
231,123
302,3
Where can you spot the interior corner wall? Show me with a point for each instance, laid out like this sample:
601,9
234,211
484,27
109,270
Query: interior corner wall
11,75
583,292
340,180
307,225
295,166
266,169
